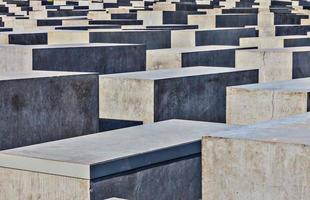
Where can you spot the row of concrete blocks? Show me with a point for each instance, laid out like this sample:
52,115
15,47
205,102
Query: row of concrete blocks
104,58
44,106
166,160
164,38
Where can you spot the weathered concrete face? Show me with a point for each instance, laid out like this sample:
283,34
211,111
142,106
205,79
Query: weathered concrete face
276,64
102,58
249,104
269,160
68,37
116,163
38,107
187,93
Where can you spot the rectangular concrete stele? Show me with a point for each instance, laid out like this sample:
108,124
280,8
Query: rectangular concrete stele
269,160
195,93
102,58
249,104
150,17
217,36
68,37
276,64
115,163
212,55
276,42
43,106
153,39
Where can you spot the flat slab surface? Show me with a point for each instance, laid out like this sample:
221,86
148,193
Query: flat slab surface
37,74
110,152
292,130
302,85
173,73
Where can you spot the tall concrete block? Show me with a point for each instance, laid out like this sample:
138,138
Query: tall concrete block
195,93
118,163
102,58
38,107
249,104
268,160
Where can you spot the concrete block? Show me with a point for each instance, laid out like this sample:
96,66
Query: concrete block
116,163
68,37
248,104
38,107
224,20
102,58
218,36
23,38
154,18
153,39
276,64
269,160
275,42
158,95
213,55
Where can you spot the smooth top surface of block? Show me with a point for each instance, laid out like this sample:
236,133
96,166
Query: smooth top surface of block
292,130
37,74
172,73
102,154
302,84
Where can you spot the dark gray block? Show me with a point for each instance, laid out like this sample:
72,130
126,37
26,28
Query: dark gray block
156,39
38,107
102,58
227,36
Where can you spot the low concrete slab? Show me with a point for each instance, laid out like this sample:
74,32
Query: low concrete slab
116,163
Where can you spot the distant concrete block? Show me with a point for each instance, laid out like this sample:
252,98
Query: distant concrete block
102,58
41,106
275,42
153,39
219,36
217,55
268,160
248,104
119,163
68,37
195,93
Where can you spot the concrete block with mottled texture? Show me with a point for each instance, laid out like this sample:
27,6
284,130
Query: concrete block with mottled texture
193,93
269,160
248,104
43,106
